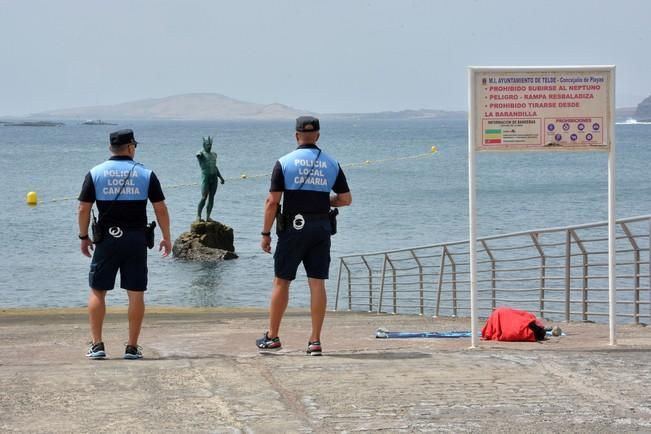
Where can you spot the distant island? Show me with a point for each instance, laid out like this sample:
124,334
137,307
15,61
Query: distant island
400,115
193,106
214,106
97,122
32,124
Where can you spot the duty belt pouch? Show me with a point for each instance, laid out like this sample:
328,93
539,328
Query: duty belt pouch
96,230
149,234
332,216
281,224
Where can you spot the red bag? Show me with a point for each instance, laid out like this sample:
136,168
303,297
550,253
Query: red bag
507,324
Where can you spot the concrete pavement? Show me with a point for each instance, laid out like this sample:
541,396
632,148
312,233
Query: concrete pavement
202,373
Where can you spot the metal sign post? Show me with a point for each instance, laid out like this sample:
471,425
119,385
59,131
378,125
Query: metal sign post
612,228
472,215
543,109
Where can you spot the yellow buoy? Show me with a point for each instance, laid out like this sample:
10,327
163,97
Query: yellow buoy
434,149
32,198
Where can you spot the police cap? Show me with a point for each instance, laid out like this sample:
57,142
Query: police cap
122,137
307,123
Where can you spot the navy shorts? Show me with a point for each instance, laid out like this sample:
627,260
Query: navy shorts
310,245
127,254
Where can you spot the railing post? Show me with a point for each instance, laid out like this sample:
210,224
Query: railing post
543,265
395,287
454,282
568,272
341,261
370,284
384,271
420,284
493,275
440,285
350,287
584,287
636,272
350,290
637,286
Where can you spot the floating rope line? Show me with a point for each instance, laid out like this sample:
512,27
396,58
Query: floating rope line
409,157
245,176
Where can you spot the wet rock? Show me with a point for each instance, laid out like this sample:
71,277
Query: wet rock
206,241
643,112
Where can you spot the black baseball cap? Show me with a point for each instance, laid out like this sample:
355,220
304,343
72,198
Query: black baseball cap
307,124
122,137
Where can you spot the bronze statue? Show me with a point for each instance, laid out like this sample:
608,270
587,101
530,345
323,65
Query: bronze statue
209,176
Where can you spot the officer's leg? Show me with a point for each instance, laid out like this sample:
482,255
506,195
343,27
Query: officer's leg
211,198
96,313
136,313
318,303
279,301
202,202
317,265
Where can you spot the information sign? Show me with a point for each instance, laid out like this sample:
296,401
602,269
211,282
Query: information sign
541,109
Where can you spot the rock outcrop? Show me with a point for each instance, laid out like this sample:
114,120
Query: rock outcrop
206,241
643,112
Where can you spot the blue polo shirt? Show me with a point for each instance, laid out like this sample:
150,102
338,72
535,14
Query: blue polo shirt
121,188
306,176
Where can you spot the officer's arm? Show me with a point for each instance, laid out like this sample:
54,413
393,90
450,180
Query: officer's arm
341,199
270,207
163,218
83,218
344,198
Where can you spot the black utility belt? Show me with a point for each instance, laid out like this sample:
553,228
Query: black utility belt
107,229
306,216
299,220
101,230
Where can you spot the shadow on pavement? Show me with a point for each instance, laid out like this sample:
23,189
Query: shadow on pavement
391,355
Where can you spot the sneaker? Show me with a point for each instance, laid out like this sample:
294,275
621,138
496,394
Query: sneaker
132,352
314,348
96,351
265,343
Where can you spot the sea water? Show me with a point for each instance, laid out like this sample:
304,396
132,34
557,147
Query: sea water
403,196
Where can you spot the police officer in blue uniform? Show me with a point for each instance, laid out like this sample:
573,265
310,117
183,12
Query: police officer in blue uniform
304,180
120,187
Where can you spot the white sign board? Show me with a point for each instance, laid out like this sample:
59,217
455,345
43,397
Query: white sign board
541,109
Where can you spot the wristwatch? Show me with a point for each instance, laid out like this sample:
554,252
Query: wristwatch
83,237
265,234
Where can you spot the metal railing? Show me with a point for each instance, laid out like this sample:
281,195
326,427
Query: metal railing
558,273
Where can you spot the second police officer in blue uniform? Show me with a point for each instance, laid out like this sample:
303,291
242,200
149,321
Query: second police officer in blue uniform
304,180
121,188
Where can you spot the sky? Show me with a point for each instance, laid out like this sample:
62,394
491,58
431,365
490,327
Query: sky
335,56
